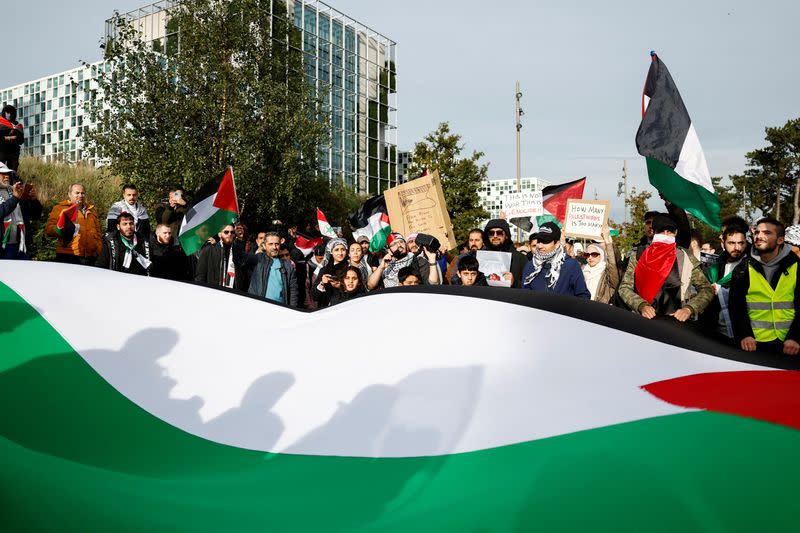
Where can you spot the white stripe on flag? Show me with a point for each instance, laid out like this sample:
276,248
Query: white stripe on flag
202,212
692,164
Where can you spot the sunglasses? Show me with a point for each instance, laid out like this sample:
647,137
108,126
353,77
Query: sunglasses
228,232
494,232
591,254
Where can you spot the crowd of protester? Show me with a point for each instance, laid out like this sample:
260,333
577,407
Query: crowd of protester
746,295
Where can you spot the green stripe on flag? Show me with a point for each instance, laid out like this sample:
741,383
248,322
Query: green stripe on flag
693,198
378,241
195,238
76,455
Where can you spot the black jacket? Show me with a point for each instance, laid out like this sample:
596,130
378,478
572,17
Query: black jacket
9,149
113,255
740,285
169,261
518,259
213,263
323,298
260,278
31,210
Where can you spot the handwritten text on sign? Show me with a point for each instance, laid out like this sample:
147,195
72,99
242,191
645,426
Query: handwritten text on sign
586,218
523,204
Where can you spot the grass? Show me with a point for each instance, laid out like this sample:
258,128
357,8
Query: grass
52,181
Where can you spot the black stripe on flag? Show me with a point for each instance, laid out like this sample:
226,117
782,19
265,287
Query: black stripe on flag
360,219
665,122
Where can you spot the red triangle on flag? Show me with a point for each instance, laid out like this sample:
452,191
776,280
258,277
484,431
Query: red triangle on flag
226,195
555,197
321,216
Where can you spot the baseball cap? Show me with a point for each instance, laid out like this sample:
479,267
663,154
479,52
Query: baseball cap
548,232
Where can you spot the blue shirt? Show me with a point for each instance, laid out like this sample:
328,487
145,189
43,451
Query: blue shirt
275,282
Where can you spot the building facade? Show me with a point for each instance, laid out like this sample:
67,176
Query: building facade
492,191
352,67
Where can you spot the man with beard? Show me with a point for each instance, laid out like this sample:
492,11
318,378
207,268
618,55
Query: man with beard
474,243
764,295
274,277
716,317
221,264
398,257
125,251
498,239
169,261
552,269
129,204
664,279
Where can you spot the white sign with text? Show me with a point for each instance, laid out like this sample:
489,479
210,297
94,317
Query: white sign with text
523,204
586,218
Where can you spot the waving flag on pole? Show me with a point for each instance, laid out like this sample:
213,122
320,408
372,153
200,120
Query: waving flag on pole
208,216
324,227
676,164
554,200
372,221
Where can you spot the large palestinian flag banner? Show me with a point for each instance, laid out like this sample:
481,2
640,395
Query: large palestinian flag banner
208,216
135,420
372,221
676,164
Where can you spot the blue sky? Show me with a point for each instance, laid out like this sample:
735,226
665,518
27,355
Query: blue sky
581,66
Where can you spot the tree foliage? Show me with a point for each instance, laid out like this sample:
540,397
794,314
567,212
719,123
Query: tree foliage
770,183
461,176
226,89
630,232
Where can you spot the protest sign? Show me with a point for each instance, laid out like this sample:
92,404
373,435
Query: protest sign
418,206
493,265
523,204
586,218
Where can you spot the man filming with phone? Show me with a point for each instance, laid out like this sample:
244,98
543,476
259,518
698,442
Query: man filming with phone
397,257
18,205
172,210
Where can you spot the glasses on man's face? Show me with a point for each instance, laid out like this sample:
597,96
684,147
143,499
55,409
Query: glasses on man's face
227,232
591,254
496,232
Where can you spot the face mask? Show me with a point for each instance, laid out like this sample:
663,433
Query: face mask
666,239
8,116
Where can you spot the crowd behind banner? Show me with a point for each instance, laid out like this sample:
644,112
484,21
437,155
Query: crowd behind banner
745,295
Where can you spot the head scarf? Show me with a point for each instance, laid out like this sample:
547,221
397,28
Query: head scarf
593,274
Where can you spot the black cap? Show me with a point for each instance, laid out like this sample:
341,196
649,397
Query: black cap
663,223
548,232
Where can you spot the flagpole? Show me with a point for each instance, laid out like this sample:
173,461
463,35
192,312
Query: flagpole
518,114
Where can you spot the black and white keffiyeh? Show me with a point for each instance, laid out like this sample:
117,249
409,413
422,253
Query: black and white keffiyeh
555,258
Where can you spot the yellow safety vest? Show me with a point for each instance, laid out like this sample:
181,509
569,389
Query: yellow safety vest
771,311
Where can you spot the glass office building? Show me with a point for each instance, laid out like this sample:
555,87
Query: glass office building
351,67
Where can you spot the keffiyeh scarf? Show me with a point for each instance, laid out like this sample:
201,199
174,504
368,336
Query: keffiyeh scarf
555,258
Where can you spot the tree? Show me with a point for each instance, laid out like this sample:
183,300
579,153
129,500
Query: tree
631,232
770,183
461,176
226,87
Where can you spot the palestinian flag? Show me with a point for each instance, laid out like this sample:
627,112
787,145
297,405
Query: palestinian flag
324,227
372,221
676,165
554,200
306,244
148,427
65,226
208,216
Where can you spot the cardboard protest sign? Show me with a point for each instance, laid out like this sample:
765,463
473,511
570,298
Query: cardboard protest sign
585,218
523,204
493,265
418,206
